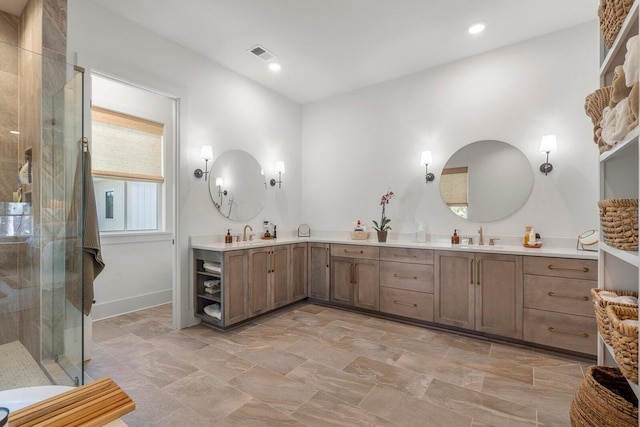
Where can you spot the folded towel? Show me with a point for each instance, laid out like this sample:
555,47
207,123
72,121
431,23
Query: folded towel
214,311
627,300
631,61
212,290
212,268
607,294
211,283
615,122
621,299
630,322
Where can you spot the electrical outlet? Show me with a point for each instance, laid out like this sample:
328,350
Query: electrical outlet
265,224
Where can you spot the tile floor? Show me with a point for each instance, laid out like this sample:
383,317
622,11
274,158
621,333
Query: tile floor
315,366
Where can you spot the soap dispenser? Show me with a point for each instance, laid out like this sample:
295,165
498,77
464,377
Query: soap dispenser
228,238
455,239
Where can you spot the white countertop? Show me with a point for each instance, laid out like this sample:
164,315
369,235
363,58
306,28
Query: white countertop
210,243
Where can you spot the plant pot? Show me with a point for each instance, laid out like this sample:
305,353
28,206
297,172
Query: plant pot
382,236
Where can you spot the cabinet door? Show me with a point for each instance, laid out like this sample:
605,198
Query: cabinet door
455,289
342,280
279,278
259,272
319,271
235,287
298,276
499,297
367,284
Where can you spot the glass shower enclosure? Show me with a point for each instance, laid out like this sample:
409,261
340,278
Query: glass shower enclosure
41,220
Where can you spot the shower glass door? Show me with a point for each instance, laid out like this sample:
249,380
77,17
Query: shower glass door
62,229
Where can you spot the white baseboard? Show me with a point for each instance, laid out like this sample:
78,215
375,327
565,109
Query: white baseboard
127,305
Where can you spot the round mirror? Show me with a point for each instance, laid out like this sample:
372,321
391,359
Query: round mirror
486,181
237,185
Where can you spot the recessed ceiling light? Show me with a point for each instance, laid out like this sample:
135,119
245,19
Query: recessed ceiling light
476,28
275,66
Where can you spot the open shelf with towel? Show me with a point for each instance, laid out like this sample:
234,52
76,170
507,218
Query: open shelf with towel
208,273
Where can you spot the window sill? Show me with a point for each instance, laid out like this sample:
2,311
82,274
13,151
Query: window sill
133,237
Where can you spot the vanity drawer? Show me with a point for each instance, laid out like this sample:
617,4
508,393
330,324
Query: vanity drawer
561,267
575,333
410,277
415,305
415,256
355,251
558,294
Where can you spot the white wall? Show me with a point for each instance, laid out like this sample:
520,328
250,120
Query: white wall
357,145
217,107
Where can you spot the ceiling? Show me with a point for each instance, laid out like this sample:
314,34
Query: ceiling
329,47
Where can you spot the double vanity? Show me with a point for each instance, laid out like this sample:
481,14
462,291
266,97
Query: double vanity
535,296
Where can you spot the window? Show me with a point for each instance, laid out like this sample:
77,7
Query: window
127,166
454,185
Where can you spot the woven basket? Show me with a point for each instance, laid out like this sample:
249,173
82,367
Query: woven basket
604,399
594,105
624,340
612,14
359,235
619,222
603,321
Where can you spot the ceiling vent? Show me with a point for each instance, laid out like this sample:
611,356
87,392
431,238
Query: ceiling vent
262,53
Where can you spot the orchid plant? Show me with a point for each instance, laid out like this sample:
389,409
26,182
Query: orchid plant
384,221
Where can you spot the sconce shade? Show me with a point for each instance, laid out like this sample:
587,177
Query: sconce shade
280,166
548,144
206,153
219,182
426,158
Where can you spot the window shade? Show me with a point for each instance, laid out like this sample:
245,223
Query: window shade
454,185
126,147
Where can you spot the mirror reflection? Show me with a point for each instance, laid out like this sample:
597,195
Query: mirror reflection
237,185
486,181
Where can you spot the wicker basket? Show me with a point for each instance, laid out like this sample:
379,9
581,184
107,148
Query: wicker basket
603,399
612,14
619,222
624,340
603,321
359,235
594,105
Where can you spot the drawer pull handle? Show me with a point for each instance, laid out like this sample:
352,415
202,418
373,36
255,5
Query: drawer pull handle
471,271
405,256
401,276
405,303
553,294
560,331
583,269
347,251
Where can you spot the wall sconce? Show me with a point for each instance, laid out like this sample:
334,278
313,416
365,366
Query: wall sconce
425,159
547,145
220,184
206,154
280,170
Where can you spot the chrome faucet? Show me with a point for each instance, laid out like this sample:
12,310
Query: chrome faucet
481,237
244,233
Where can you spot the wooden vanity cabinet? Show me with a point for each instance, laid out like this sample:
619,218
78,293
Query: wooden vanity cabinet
479,291
298,273
406,283
355,276
268,278
558,311
319,271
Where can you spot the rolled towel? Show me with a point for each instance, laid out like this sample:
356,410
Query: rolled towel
619,88
211,283
214,311
631,61
615,122
633,106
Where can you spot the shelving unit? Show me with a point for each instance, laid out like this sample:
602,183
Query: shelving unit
619,178
202,275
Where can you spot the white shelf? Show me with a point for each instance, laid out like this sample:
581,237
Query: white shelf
630,257
634,387
619,148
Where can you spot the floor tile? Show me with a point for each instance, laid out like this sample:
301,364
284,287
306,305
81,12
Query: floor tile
275,359
322,353
257,414
323,410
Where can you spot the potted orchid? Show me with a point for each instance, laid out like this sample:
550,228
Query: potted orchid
383,226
